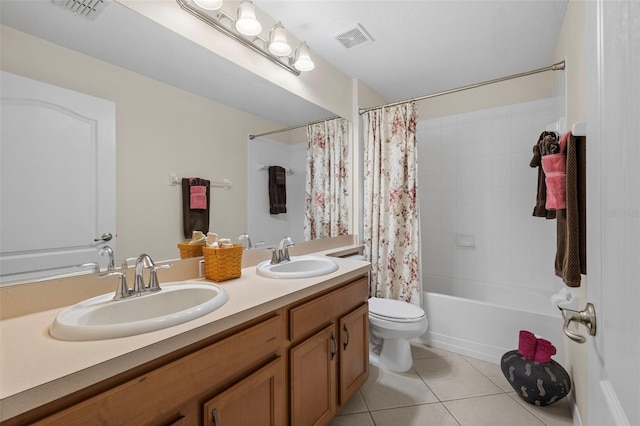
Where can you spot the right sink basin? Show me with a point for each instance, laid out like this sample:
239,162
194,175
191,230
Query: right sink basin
298,267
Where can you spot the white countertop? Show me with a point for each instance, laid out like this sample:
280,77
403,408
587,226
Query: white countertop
37,369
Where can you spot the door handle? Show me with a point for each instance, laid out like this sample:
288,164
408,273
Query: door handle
105,237
587,317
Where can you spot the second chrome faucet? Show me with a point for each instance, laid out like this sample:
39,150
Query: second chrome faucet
143,261
281,254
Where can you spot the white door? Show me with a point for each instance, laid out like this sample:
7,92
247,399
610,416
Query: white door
57,154
613,202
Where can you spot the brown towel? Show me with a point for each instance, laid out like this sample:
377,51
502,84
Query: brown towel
277,190
194,220
541,198
571,257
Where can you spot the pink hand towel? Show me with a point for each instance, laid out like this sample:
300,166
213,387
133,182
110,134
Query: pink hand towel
198,198
527,344
555,169
544,351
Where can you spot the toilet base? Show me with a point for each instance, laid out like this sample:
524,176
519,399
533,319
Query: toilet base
395,355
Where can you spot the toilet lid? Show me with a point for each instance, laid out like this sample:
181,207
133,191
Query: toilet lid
394,309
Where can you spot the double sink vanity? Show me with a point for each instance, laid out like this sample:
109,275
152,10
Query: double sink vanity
263,349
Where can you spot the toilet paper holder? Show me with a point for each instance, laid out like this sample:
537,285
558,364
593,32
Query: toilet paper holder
586,317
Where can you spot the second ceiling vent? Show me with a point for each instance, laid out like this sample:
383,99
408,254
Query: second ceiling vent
353,36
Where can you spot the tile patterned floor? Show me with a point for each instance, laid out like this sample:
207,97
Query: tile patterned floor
445,389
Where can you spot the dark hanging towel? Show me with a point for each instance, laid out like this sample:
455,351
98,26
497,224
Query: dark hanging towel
196,200
277,190
571,257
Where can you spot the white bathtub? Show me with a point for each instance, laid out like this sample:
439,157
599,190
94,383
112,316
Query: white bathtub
487,325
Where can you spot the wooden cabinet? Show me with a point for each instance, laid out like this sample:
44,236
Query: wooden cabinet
313,378
296,365
328,367
354,352
175,391
256,400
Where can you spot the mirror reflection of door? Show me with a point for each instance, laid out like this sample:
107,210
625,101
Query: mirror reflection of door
57,173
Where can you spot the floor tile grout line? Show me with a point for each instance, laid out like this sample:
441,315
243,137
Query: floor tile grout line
418,404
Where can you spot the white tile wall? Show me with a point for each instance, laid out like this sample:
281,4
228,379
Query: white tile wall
474,178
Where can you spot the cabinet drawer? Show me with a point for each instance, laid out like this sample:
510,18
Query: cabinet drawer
160,392
313,315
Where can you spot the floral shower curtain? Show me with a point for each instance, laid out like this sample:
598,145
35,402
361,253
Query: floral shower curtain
328,177
391,220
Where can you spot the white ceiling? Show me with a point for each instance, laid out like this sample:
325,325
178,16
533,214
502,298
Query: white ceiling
426,46
419,47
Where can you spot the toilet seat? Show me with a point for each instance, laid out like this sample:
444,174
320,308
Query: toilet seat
394,310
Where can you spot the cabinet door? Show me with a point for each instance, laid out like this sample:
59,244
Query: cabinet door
313,376
354,352
256,400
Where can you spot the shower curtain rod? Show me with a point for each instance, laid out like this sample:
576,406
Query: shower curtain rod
286,129
555,67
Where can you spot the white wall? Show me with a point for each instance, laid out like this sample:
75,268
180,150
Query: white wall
474,178
263,226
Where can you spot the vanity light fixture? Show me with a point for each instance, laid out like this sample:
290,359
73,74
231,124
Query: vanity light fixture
278,44
209,4
302,59
247,23
246,29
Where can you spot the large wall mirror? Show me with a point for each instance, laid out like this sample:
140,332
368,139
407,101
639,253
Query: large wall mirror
179,110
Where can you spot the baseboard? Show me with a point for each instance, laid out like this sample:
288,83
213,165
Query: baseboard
489,353
577,421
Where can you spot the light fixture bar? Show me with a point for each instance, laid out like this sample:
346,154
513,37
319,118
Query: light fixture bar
184,4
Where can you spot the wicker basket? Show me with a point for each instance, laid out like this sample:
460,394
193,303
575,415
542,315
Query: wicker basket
222,264
187,251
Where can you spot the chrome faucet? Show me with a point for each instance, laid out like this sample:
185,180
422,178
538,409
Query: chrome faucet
111,263
93,265
246,241
143,261
285,243
122,292
281,254
125,263
154,284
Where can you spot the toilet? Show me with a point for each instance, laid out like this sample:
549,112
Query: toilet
392,323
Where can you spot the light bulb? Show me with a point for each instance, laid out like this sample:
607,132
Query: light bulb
247,23
209,4
302,60
278,41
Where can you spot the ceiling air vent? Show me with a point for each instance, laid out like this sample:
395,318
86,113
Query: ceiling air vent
88,8
353,36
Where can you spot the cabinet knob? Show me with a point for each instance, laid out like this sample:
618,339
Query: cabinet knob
214,417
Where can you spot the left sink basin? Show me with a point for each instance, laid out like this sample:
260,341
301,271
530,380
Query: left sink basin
103,318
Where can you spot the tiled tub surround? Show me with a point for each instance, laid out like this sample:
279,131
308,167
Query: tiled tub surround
37,369
475,182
